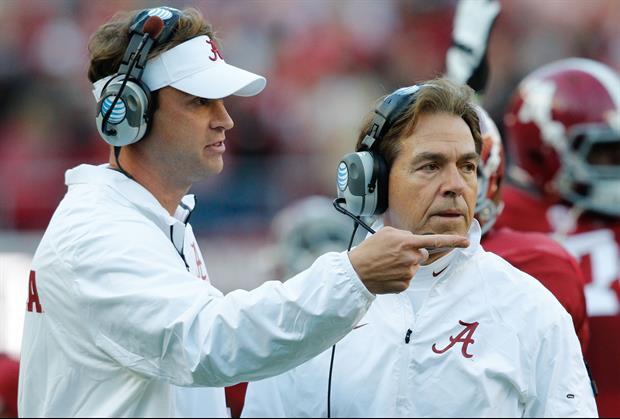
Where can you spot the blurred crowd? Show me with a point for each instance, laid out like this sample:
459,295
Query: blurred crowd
326,63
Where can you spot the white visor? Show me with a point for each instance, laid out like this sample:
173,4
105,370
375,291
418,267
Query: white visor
197,67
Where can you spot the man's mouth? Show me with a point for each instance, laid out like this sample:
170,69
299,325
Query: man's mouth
219,146
449,214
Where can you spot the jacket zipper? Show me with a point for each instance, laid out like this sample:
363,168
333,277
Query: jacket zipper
403,399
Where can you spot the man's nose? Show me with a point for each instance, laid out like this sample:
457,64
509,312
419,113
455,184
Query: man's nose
453,183
220,117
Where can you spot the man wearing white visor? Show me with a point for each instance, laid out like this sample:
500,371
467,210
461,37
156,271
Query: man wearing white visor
121,317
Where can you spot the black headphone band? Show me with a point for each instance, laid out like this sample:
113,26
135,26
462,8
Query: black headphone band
171,17
135,71
387,113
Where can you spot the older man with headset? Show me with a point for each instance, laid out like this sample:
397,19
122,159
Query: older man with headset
472,336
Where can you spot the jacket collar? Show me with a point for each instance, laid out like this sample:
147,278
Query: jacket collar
450,262
131,191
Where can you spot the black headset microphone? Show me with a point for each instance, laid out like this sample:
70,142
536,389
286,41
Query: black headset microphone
152,28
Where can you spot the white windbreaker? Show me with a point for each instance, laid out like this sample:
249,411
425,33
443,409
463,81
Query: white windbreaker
488,341
126,324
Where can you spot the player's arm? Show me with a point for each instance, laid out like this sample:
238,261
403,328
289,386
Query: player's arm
559,385
466,60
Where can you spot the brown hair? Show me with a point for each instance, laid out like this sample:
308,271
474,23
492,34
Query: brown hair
108,43
437,96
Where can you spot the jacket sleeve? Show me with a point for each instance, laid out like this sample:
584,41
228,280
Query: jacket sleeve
151,316
560,385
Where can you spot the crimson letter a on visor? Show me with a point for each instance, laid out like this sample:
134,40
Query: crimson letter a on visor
215,50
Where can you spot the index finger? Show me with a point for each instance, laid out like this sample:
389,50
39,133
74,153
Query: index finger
439,240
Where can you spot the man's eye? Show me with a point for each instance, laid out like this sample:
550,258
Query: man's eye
430,167
203,101
469,167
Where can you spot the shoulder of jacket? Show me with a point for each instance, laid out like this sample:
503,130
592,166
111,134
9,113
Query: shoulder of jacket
515,293
93,217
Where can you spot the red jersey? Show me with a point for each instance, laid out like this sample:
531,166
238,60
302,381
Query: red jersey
595,243
546,260
9,376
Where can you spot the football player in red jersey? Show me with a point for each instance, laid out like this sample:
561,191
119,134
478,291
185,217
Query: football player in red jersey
534,253
563,130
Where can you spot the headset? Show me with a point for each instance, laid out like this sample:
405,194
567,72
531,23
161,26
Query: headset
363,176
124,109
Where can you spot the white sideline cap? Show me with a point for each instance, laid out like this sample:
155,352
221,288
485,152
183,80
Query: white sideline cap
196,67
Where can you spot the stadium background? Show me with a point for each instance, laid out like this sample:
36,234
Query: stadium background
325,61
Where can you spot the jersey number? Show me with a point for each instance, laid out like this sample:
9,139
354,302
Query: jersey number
599,257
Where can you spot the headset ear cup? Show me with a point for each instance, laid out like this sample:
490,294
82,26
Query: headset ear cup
131,113
382,176
355,175
133,110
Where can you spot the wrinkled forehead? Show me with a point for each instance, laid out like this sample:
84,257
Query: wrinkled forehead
441,132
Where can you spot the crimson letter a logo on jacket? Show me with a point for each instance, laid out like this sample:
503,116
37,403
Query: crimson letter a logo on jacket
33,294
465,337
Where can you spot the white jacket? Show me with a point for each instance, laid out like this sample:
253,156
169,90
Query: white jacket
124,326
488,341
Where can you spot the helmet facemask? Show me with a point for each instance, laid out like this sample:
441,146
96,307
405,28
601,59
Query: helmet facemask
590,173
